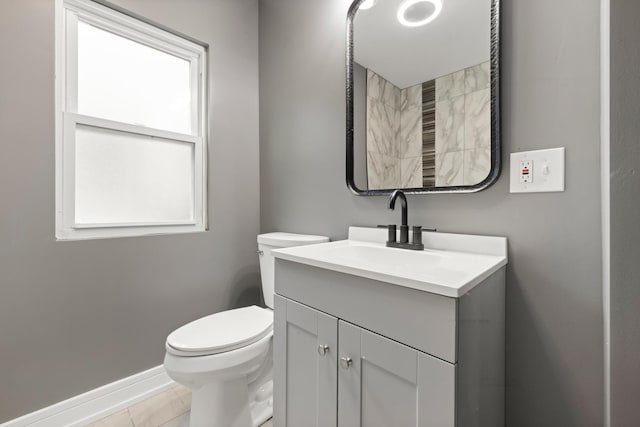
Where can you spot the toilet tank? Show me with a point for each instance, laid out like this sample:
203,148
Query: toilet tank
270,241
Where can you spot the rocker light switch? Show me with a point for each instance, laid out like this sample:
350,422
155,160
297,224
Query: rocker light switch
537,171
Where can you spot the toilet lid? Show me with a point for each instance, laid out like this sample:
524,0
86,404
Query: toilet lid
221,332
279,239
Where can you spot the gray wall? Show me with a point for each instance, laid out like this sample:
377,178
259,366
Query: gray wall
551,98
625,213
77,315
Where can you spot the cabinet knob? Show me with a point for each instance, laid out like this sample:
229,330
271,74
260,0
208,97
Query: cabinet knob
345,362
323,350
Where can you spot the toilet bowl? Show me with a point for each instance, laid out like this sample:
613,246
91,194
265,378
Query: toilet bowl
226,358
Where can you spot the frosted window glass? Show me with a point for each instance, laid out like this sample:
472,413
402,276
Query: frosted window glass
129,178
125,81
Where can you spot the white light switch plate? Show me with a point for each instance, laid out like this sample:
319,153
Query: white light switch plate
547,174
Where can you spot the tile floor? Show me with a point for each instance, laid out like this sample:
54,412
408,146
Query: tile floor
169,408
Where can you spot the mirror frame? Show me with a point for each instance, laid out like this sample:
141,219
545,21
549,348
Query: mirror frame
496,154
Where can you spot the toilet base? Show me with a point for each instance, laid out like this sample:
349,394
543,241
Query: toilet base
262,404
221,405
226,404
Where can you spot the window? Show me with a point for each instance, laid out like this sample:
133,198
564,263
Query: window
130,126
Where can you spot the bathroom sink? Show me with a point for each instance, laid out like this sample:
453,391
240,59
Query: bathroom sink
450,265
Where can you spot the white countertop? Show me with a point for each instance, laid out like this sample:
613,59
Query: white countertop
450,265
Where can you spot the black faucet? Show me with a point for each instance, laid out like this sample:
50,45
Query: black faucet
404,243
404,228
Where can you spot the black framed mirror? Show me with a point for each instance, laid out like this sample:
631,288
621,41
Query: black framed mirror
423,96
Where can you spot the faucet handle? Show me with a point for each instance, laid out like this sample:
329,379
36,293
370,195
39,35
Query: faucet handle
392,233
417,234
431,230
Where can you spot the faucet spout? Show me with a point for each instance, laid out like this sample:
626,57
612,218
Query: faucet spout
416,243
398,194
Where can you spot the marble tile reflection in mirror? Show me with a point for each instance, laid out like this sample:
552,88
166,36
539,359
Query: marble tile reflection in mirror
422,98
435,133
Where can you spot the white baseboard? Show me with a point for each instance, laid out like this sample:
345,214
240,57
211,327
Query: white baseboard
98,403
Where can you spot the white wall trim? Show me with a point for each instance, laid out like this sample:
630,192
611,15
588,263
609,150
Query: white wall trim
605,168
98,403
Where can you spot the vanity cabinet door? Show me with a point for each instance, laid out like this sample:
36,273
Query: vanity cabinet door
305,366
384,383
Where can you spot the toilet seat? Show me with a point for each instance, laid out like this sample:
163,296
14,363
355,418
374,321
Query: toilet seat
221,332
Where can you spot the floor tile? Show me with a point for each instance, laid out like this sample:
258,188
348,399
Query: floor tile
119,419
169,408
181,421
184,393
158,410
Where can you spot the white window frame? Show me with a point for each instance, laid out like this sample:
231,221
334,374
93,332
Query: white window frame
68,14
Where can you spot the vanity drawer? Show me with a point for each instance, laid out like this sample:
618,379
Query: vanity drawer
422,320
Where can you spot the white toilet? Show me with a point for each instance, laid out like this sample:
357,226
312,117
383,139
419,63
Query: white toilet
226,358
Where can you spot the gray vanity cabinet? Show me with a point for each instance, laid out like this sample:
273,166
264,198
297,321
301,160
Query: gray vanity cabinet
330,371
383,383
355,352
305,358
